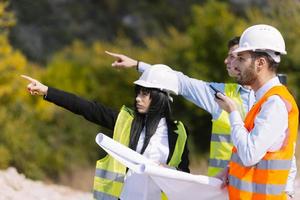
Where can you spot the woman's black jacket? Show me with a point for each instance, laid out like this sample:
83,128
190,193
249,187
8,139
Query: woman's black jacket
106,117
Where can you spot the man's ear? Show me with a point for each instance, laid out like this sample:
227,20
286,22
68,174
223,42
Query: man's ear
260,63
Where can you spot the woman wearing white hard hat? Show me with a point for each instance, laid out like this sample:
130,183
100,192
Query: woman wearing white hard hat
148,129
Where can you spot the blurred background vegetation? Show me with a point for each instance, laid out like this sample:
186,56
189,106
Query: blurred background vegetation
62,43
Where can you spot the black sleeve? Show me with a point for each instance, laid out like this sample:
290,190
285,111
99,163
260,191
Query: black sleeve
90,110
184,164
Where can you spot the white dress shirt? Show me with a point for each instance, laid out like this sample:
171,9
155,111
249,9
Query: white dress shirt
270,127
140,186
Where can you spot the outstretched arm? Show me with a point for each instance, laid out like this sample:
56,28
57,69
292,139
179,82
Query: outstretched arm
90,110
194,90
122,61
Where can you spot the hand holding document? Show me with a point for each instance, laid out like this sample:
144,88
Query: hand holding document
175,184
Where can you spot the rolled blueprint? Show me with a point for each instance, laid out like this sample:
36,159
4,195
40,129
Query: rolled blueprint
177,185
123,154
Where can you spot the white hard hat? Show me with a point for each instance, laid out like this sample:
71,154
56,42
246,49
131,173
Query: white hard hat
161,77
262,38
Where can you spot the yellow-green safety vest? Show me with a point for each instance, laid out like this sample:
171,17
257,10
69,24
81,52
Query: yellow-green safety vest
110,174
220,143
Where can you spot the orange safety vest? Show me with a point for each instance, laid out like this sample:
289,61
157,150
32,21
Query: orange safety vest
266,179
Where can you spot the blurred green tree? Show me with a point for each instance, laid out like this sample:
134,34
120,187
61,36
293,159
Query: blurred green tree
284,15
20,145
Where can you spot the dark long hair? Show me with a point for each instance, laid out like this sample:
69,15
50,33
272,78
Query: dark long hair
159,108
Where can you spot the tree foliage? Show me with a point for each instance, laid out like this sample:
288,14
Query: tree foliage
285,15
46,26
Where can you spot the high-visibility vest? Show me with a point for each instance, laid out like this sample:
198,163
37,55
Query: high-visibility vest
110,174
266,179
220,143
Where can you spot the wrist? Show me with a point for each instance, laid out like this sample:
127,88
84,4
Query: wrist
137,65
45,91
232,108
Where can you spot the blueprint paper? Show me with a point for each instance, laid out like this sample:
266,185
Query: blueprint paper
176,185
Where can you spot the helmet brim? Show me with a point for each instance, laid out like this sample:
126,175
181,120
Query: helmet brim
153,85
242,49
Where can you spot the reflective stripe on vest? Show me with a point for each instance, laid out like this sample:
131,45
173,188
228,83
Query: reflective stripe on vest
272,189
267,179
109,175
100,195
220,143
266,164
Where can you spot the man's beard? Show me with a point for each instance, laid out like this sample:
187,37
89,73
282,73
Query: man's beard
248,77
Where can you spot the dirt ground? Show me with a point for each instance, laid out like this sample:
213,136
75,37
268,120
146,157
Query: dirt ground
14,186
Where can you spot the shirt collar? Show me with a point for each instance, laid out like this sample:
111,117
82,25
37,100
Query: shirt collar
266,87
241,88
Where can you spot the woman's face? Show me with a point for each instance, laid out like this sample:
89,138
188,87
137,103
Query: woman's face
143,101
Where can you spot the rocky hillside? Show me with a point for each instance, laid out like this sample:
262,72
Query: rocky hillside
15,186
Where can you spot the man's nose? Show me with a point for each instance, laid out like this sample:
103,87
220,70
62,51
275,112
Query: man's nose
226,61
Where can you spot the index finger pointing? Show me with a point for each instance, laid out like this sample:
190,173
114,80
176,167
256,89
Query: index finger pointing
28,78
113,54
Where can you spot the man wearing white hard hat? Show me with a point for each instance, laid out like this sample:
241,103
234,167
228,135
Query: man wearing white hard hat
148,129
200,93
264,143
